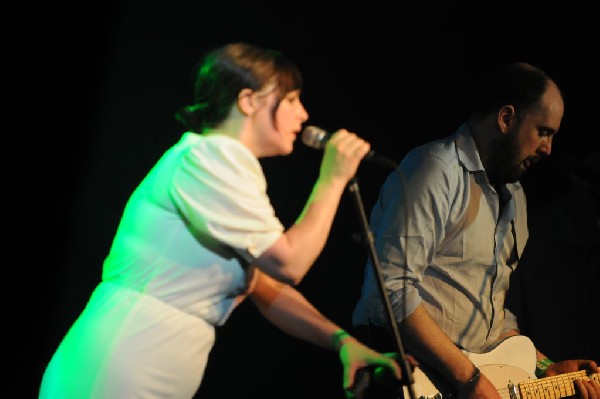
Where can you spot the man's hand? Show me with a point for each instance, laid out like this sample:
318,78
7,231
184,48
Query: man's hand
584,389
587,389
570,366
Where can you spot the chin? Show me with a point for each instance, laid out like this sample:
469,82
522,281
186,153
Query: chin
281,151
287,150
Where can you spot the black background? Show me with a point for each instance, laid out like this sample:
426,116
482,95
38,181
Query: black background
98,87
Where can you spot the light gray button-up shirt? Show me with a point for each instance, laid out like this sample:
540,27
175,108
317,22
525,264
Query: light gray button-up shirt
444,239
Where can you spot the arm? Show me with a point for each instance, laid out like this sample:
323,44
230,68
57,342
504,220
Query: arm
584,389
428,341
288,310
220,190
548,368
292,255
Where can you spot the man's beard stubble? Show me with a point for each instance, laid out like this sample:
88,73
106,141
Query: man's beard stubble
505,164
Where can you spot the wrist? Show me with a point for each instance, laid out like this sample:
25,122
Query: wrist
339,338
541,366
332,182
469,384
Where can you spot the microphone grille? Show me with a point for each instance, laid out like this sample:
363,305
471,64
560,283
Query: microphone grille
314,137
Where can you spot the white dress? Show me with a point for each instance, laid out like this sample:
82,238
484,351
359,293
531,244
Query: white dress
170,277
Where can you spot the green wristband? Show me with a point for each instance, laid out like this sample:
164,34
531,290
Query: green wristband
541,366
338,337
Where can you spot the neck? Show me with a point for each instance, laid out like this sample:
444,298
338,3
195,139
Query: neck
481,130
236,128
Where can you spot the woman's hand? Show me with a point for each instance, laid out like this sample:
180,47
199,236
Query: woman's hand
355,356
343,153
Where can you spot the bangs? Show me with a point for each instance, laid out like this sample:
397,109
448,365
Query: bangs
288,78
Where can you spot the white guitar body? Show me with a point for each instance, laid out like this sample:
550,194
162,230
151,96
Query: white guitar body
510,366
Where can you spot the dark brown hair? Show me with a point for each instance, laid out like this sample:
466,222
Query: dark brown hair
519,84
225,71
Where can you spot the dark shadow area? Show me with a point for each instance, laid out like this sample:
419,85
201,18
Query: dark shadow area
108,80
559,276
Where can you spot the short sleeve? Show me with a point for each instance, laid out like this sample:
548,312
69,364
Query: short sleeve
220,189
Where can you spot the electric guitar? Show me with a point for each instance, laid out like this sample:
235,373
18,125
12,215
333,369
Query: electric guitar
510,366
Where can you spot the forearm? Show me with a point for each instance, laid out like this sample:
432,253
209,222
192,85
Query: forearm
539,355
291,312
292,256
429,343
288,310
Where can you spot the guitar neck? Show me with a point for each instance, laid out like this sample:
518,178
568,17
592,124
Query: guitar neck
510,368
555,387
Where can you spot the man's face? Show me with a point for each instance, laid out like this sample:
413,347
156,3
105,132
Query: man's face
529,137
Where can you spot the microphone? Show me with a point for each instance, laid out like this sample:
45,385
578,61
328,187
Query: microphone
315,137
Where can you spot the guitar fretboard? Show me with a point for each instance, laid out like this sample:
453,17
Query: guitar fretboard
555,387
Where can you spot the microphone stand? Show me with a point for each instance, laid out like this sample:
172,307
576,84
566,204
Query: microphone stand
358,202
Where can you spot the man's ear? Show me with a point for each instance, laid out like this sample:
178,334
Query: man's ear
245,102
506,116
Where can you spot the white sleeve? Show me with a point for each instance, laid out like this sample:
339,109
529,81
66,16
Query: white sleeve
220,189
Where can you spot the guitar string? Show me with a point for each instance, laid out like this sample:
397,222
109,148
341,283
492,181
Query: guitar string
554,388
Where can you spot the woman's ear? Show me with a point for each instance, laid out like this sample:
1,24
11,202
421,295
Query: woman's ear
245,102
506,116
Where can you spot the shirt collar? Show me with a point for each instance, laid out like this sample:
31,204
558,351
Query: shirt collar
469,156
467,150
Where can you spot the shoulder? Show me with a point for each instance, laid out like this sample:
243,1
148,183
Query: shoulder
435,157
221,153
